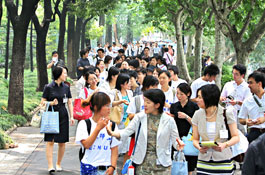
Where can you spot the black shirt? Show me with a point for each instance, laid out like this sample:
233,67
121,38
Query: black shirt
182,124
81,62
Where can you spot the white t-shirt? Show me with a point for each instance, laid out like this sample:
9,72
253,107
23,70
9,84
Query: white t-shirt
100,152
174,84
196,85
80,84
211,130
132,107
82,93
170,98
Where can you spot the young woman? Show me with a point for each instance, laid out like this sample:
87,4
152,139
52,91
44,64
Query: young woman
161,63
164,79
103,74
208,123
157,133
58,94
110,82
183,111
91,85
101,150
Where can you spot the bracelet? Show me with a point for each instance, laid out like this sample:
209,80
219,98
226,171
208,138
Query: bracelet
112,167
186,117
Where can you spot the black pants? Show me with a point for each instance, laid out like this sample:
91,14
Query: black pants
253,134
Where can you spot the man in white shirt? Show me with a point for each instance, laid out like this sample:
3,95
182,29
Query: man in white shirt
235,92
252,112
175,80
209,76
101,54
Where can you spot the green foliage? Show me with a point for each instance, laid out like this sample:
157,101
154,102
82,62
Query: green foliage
7,121
4,138
226,74
95,31
257,56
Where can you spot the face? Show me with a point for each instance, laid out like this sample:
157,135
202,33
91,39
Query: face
199,100
100,54
110,49
146,52
181,96
55,55
144,63
97,73
153,62
149,106
86,55
101,66
171,73
152,87
141,77
237,76
114,77
164,79
253,85
126,85
155,74
124,65
92,80
63,76
105,110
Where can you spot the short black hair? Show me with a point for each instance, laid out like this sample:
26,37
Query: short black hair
149,80
57,72
118,65
185,88
109,46
54,52
146,60
149,69
211,70
146,48
112,72
261,69
164,71
88,69
100,49
258,77
133,74
141,70
83,52
98,62
122,79
134,63
174,69
157,96
241,68
121,51
107,59
210,94
99,99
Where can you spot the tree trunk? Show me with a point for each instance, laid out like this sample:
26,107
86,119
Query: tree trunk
181,60
115,32
7,46
70,46
1,11
219,51
62,29
83,35
77,36
20,25
31,47
129,28
101,23
190,45
198,51
241,54
109,33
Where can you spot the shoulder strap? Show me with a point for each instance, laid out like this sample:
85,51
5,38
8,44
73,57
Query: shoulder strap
88,125
138,103
113,125
256,100
226,124
86,93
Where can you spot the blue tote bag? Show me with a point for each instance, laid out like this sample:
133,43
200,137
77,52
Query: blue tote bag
179,164
189,149
49,121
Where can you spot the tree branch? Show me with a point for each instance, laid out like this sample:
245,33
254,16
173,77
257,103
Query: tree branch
56,9
11,7
36,22
1,11
235,5
247,21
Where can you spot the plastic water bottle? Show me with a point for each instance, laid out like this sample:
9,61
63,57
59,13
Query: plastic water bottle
130,170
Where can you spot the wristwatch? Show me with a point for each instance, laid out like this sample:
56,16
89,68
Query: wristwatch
186,117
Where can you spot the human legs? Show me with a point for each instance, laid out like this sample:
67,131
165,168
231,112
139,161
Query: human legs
49,151
61,150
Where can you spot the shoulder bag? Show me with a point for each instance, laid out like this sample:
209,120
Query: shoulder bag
115,114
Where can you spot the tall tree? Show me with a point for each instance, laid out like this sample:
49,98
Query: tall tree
101,23
31,47
83,35
7,46
20,23
42,30
243,22
129,37
108,30
1,10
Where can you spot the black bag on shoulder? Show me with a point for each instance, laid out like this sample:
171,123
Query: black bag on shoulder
88,124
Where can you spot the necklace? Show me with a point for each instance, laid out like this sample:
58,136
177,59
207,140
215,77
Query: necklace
213,114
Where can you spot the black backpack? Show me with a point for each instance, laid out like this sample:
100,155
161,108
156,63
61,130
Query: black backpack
88,124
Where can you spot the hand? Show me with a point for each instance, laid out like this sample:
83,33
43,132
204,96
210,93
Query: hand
125,102
182,115
203,149
222,99
72,122
260,120
168,113
220,147
250,122
233,102
102,123
109,130
109,171
180,144
54,102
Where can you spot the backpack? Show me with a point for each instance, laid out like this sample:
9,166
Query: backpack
88,124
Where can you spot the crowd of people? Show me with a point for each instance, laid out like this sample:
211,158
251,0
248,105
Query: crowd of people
157,109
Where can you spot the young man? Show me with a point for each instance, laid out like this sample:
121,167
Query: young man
82,63
55,61
235,92
209,76
101,54
175,80
252,112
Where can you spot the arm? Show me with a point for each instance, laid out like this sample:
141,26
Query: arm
70,107
182,115
114,158
196,140
44,101
50,65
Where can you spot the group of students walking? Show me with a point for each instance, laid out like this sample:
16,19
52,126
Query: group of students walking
159,108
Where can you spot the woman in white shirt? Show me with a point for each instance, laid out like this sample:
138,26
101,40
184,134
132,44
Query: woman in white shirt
101,150
164,79
90,85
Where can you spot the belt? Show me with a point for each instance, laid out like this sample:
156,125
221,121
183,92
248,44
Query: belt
103,167
261,130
